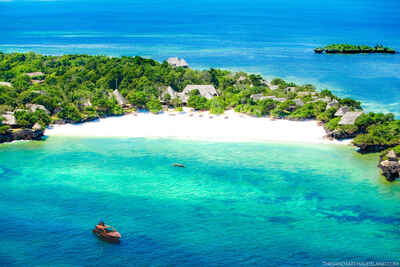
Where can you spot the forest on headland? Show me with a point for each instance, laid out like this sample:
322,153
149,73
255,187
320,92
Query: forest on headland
39,90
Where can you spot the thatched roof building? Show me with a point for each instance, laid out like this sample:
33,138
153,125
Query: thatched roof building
167,90
35,74
120,99
341,111
257,97
282,99
9,119
36,127
333,104
85,102
298,102
350,117
34,107
241,78
392,155
5,84
37,81
306,93
177,62
207,91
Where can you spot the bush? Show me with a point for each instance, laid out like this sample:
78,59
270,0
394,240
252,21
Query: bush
282,109
305,112
327,115
70,113
350,102
138,99
197,101
366,120
333,123
387,134
154,106
217,105
278,81
4,129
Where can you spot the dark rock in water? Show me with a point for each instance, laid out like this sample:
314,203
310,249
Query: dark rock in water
21,134
365,148
178,165
27,134
390,167
340,135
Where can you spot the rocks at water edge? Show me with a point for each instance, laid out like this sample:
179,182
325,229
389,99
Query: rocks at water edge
390,166
36,133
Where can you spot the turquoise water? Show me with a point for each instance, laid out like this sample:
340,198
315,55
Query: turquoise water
271,37
233,204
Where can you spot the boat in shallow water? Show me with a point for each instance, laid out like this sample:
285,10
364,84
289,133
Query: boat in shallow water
107,233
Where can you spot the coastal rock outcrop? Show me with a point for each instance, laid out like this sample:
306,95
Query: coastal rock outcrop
340,134
22,134
390,166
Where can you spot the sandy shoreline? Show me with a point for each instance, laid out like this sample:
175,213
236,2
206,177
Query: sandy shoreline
230,126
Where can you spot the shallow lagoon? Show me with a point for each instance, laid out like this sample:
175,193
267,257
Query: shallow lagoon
233,204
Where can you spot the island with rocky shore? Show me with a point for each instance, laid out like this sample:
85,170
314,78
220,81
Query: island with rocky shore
354,49
37,91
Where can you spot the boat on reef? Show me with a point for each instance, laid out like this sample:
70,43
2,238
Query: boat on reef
107,233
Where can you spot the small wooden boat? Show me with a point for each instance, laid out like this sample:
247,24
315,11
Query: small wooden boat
107,233
178,165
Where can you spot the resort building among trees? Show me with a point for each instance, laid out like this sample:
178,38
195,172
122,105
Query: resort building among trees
120,99
207,91
350,117
177,62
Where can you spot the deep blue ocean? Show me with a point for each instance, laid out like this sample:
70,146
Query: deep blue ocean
272,37
235,204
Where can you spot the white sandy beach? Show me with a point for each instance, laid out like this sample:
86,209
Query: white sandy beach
230,126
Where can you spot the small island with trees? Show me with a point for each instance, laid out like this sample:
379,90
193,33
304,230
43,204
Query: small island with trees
354,49
37,91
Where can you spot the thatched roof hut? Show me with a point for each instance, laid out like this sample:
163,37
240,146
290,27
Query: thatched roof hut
34,107
5,84
282,99
167,90
37,127
207,91
341,111
350,117
85,102
333,104
301,94
177,62
34,74
37,81
392,155
241,78
120,99
9,119
257,97
306,93
298,102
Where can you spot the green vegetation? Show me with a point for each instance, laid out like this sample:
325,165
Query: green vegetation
77,88
353,49
3,128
